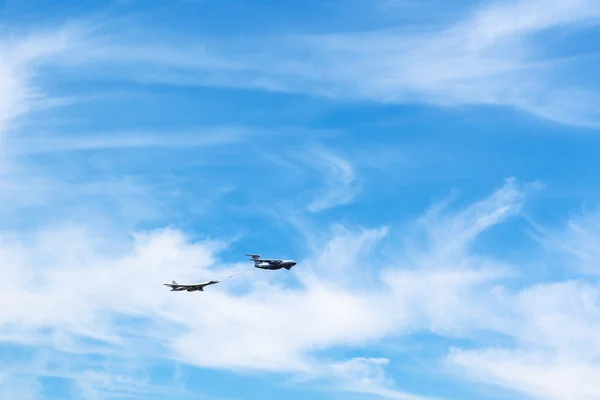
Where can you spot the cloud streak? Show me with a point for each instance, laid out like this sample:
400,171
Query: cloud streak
44,275
84,288
547,360
20,58
339,178
484,59
32,145
433,282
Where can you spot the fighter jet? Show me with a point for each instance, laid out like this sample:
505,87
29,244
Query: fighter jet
271,264
175,287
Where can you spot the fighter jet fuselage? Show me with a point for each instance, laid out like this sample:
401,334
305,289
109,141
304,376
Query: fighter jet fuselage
175,287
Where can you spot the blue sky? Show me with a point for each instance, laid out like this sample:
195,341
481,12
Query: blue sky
431,165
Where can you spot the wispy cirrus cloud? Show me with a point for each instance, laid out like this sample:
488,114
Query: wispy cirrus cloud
368,376
577,244
88,378
436,271
20,58
356,288
53,143
486,58
206,332
338,175
547,361
534,374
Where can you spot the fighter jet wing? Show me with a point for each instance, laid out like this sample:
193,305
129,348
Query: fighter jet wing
178,286
200,286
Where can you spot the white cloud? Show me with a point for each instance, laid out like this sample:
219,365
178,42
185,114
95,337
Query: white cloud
553,327
39,144
452,234
535,374
498,21
18,387
345,255
77,282
69,284
88,379
492,56
577,244
366,375
18,61
338,174
489,57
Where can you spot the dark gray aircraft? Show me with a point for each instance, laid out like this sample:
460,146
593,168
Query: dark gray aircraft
271,264
175,287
